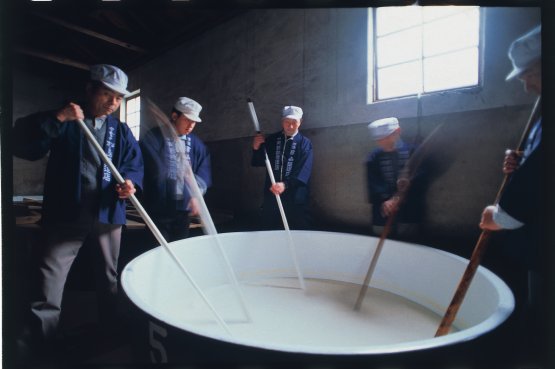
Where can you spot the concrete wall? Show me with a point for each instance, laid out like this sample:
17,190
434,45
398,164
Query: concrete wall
31,93
317,59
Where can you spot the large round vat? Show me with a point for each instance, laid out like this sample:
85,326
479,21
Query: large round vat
268,318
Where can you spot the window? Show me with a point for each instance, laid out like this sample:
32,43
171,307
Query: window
130,112
420,49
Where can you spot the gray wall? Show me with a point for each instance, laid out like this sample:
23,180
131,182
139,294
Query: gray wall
31,93
317,59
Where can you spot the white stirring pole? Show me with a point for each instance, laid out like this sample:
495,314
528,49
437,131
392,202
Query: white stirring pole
278,198
210,228
206,220
148,220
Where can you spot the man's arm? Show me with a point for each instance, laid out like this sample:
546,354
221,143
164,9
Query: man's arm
203,171
33,135
258,146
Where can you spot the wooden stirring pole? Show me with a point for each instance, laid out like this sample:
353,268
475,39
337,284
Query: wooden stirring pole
481,245
407,173
387,229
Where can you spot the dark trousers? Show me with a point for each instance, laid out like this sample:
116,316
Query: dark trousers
297,215
55,258
526,340
174,228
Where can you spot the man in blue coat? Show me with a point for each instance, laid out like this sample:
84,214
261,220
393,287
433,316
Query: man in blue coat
388,178
290,155
166,150
82,200
519,210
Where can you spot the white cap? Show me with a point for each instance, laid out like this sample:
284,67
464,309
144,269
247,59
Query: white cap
189,107
382,128
111,77
525,51
293,112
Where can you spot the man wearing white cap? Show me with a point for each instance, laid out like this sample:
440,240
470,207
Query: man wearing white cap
290,155
82,200
387,175
519,208
166,151
525,54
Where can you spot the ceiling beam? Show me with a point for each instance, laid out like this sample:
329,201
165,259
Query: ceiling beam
52,57
92,33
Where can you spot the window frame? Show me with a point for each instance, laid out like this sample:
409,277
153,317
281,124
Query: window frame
123,110
372,31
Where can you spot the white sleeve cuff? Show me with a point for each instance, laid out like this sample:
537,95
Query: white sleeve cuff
504,220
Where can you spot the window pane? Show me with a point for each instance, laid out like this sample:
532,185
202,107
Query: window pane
135,130
399,80
463,31
439,44
458,69
133,119
133,115
391,19
130,105
434,12
399,47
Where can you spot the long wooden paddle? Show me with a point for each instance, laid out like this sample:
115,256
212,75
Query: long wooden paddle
408,173
481,245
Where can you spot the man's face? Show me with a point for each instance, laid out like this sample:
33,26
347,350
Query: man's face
290,125
103,101
388,143
532,79
183,125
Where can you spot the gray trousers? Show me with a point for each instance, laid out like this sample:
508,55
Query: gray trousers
56,255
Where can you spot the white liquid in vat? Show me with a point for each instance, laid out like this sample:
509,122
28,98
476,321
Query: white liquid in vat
410,290
321,316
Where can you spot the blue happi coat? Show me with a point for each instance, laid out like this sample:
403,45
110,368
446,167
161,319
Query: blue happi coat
523,199
40,133
160,184
291,161
383,171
